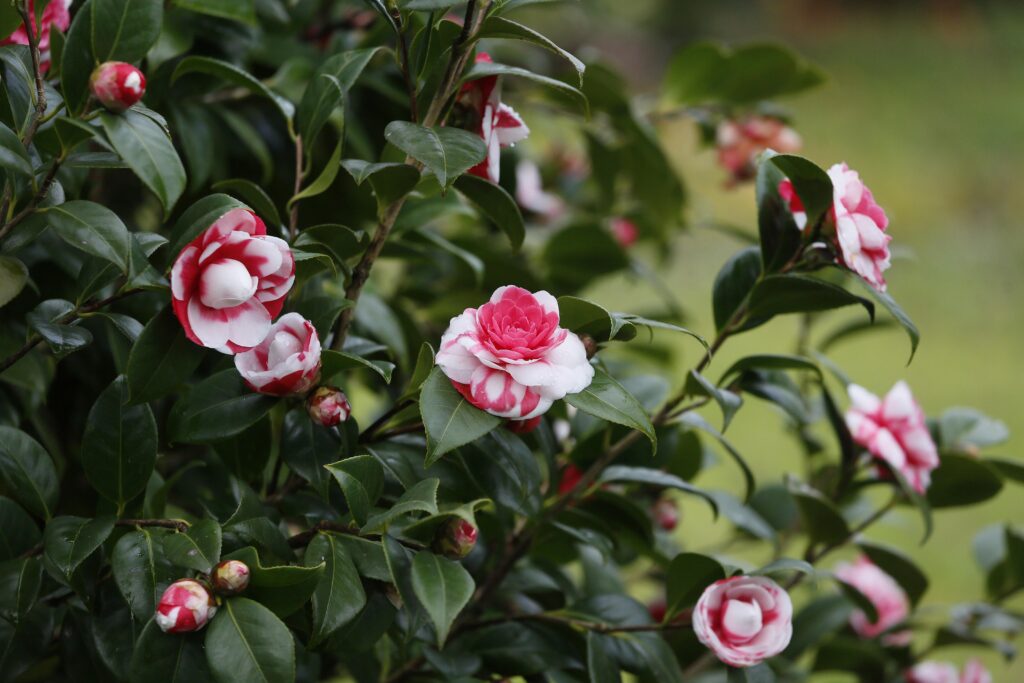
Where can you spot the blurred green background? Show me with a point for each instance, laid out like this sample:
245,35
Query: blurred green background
926,100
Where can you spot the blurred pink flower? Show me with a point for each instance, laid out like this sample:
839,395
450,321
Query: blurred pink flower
741,141
881,589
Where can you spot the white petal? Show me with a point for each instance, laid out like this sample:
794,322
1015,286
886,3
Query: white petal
207,324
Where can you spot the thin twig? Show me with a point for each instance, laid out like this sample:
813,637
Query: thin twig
33,203
293,219
176,524
33,44
370,432
405,65
683,622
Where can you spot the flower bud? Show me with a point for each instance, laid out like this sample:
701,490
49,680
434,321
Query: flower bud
117,85
456,539
625,232
185,606
666,513
230,577
571,476
523,426
328,406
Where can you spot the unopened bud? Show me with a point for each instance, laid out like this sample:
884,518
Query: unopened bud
328,406
230,577
589,345
522,426
185,606
456,539
117,85
666,513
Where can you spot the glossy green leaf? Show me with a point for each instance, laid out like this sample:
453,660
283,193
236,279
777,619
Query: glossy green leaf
449,419
782,294
13,155
147,149
27,472
307,448
169,658
197,218
245,642
161,359
962,480
232,74
443,588
445,152
48,321
88,226
689,574
323,181
901,317
284,589
198,548
141,570
495,203
252,194
653,477
733,285
218,407
77,62
487,69
323,96
68,541
729,401
608,400
500,27
694,420
361,479
421,497
20,532
13,277
129,28
822,521
335,362
20,581
339,594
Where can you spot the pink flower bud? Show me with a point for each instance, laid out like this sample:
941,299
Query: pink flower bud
286,362
657,609
117,85
666,513
523,426
185,606
744,620
328,406
230,577
456,539
625,232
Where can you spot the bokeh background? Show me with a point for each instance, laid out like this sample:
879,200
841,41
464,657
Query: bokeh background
926,100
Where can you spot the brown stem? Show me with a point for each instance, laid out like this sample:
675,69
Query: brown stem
33,44
293,218
176,524
683,622
303,539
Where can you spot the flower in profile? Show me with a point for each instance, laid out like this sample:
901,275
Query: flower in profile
510,357
885,594
57,16
744,620
117,85
893,429
230,282
185,606
741,141
494,121
286,362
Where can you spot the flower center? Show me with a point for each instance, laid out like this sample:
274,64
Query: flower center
283,346
742,620
226,284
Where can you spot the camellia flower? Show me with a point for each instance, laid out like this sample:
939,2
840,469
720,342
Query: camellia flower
975,672
571,475
740,142
185,606
328,406
885,594
497,123
860,224
666,513
55,16
117,85
510,357
744,620
933,672
230,577
624,231
286,362
229,283
530,193
456,539
894,430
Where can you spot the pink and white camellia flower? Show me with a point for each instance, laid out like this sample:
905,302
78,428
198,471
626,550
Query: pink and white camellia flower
881,589
510,358
497,123
328,406
860,224
744,620
933,672
230,577
740,142
229,283
894,430
185,606
117,85
286,362
55,16
975,672
530,193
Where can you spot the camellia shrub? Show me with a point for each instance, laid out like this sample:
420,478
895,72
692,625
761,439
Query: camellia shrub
299,379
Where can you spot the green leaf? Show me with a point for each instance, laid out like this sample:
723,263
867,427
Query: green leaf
47,319
339,361
323,181
27,472
653,477
449,419
964,430
283,590
688,575
198,548
728,401
13,277
20,532
421,497
13,155
20,581
361,479
339,594
962,480
93,228
77,62
499,27
216,408
169,658
237,10
390,181
233,75
586,317
119,445
759,673
161,359
254,195
129,28
245,642
495,203
781,294
816,622
443,588
822,521
147,149
141,570
601,668
733,284
308,448
322,97
198,218
487,69
578,254
899,566
781,238
889,304
656,657
694,420
608,400
769,361
813,185
10,19
445,152
68,541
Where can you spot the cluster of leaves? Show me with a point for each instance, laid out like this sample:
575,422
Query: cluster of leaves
130,457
